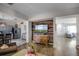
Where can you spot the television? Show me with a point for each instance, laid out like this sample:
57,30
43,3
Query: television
41,28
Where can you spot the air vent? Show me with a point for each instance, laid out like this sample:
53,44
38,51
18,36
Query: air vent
10,3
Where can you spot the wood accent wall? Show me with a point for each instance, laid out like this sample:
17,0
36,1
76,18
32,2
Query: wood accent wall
50,28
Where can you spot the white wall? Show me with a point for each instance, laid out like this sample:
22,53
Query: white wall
66,20
41,17
77,19
29,31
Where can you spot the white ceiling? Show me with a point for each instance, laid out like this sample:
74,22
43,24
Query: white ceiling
53,9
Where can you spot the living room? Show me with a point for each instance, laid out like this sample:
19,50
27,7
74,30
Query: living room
32,29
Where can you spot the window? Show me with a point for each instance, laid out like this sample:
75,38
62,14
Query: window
72,29
41,27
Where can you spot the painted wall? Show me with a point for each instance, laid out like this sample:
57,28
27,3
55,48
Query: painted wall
28,31
22,26
77,18
40,17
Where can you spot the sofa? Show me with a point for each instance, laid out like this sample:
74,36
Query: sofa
11,48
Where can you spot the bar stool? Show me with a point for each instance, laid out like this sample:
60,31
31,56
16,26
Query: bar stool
7,38
1,38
